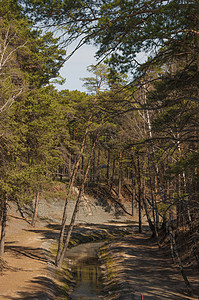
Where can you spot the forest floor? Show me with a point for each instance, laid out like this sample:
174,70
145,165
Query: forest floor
141,268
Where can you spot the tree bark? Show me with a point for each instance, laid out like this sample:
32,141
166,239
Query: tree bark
98,166
120,176
93,168
113,174
151,225
69,164
154,206
139,193
59,259
133,182
3,225
108,167
70,186
35,213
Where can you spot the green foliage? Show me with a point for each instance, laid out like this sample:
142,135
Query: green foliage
149,133
121,29
185,164
28,152
26,51
99,82
29,134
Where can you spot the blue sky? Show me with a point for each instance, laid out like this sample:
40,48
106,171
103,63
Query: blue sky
76,68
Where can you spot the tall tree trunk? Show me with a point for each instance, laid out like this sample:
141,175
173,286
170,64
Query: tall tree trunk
151,225
108,167
69,164
120,176
158,185
171,239
35,213
132,202
113,174
70,186
93,168
59,258
139,193
3,225
155,215
178,207
98,165
133,180
82,164
152,199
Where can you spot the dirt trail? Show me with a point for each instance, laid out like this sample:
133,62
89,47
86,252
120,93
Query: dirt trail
26,275
139,267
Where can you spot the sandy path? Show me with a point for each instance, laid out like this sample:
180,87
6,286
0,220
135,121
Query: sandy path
139,267
26,273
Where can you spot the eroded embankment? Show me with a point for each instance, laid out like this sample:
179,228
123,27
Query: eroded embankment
134,266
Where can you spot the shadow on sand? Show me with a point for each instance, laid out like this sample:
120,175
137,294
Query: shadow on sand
42,288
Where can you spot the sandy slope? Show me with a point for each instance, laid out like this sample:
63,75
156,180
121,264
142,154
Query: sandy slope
137,267
26,273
